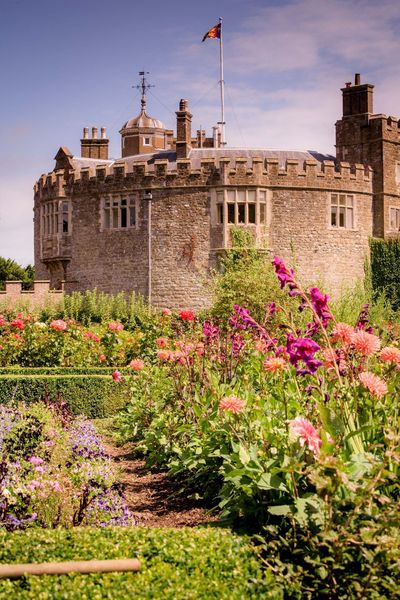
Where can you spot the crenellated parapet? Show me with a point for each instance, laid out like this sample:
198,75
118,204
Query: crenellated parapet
237,171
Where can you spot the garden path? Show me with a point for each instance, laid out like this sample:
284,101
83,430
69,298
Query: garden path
153,499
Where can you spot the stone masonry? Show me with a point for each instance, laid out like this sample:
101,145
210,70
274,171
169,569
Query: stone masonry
156,222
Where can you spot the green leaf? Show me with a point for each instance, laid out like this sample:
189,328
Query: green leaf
268,481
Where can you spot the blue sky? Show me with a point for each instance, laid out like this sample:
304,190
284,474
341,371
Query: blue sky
66,64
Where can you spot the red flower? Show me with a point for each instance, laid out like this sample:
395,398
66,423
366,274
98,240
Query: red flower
102,358
18,324
186,315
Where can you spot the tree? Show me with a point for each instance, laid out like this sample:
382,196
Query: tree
12,271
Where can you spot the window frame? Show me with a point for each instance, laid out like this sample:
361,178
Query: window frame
232,206
52,222
396,211
342,204
113,208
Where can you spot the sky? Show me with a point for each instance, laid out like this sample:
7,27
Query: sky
67,64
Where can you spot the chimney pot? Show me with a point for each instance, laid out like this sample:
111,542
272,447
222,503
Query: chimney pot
103,133
86,133
357,79
94,133
348,84
183,104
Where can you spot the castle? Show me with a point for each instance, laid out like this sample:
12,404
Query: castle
156,220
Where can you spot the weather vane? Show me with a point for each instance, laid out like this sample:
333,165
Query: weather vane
143,86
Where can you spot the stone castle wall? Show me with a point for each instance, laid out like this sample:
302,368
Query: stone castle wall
185,238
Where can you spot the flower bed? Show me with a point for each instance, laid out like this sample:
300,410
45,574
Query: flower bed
290,426
54,472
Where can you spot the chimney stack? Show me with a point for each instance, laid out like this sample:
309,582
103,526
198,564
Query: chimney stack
357,98
183,130
94,147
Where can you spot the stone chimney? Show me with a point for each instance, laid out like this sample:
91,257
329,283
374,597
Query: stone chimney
357,98
94,147
183,130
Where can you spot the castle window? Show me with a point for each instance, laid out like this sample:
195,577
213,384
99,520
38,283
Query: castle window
55,218
342,211
242,206
394,221
398,174
146,141
119,213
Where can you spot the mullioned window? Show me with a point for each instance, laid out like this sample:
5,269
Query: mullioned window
342,211
119,213
241,206
56,218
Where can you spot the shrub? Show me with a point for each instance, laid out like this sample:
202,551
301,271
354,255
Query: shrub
385,269
186,563
91,395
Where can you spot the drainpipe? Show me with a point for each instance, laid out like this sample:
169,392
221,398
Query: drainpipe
149,196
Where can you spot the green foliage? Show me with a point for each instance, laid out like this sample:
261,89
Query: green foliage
185,563
91,395
246,278
355,552
97,307
385,269
12,271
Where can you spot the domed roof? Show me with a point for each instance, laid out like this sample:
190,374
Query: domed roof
144,120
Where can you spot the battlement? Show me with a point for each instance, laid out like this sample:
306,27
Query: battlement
218,171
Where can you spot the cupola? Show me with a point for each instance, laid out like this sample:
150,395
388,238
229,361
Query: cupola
143,134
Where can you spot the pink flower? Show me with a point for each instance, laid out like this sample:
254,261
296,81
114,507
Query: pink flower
92,336
137,364
272,364
56,486
117,376
374,384
102,358
115,326
33,485
390,354
365,343
18,324
35,460
186,315
163,355
232,404
58,325
329,358
343,332
161,342
2,321
306,433
166,312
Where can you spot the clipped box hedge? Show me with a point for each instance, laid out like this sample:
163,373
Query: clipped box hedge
93,395
99,370
177,564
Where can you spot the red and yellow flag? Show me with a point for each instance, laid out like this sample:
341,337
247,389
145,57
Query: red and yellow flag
214,32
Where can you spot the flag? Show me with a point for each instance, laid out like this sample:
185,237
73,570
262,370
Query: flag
214,32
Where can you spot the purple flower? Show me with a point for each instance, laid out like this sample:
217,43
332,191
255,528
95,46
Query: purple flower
303,349
285,276
320,305
210,332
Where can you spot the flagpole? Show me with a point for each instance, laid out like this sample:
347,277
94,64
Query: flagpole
221,68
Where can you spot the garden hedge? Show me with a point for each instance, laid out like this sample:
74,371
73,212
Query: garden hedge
206,563
92,395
